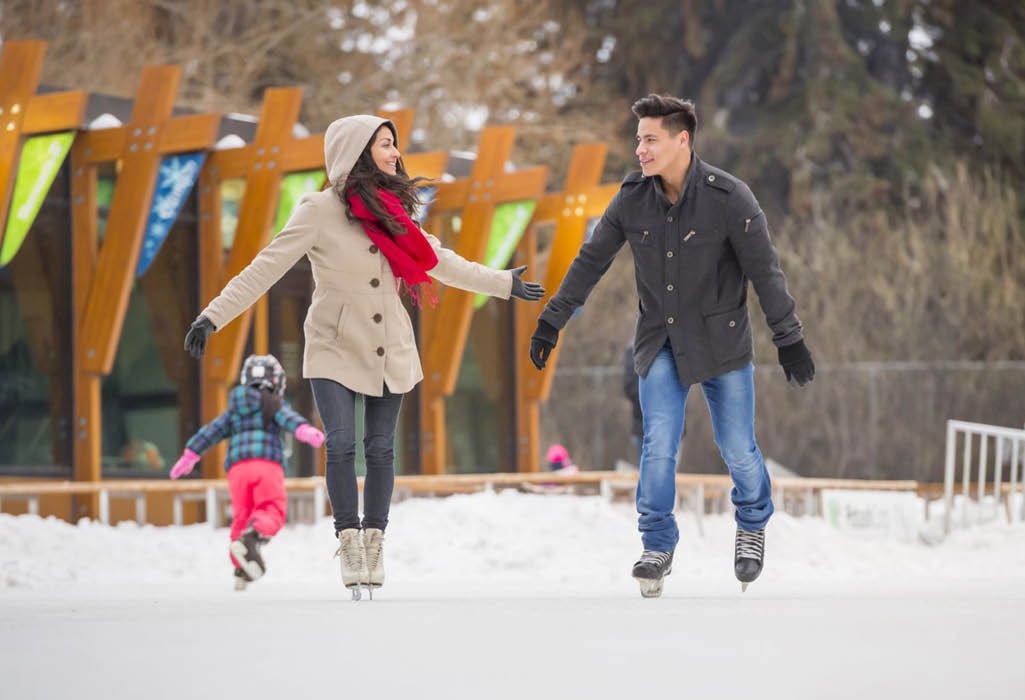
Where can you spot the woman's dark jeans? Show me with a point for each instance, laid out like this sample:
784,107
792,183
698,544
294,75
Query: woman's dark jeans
337,406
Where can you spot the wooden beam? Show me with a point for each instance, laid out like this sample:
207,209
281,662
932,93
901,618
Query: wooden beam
582,198
256,214
304,154
56,111
528,435
213,395
20,65
104,277
115,269
446,327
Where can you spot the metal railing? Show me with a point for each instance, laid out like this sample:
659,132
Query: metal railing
1008,442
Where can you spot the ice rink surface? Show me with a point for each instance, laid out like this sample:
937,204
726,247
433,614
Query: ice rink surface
511,596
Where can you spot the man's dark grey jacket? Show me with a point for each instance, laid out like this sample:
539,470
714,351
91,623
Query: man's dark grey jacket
692,260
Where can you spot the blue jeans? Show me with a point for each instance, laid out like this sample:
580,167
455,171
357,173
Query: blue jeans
731,405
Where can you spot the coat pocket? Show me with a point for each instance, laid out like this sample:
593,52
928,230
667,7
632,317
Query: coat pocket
341,321
327,320
729,333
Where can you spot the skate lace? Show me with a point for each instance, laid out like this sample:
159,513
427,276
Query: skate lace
650,556
750,544
349,551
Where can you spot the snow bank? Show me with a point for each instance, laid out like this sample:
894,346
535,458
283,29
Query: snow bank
560,544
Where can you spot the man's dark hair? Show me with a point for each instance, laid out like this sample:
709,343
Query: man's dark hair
677,115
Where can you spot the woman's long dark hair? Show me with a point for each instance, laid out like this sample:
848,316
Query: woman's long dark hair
366,178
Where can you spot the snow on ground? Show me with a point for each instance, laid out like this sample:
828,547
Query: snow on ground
510,595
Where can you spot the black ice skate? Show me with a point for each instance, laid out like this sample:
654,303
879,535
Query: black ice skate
749,555
650,571
246,551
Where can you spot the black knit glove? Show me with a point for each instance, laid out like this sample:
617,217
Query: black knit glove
529,291
542,343
195,340
797,363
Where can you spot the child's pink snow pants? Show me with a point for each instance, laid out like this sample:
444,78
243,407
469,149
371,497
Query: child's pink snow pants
257,488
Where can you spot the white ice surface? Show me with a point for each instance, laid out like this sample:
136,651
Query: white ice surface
513,596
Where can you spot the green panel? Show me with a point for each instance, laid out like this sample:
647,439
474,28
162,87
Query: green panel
507,228
41,159
293,187
231,200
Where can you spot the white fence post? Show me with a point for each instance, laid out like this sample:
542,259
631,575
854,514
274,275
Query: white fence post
140,508
105,506
318,503
948,476
212,516
1013,486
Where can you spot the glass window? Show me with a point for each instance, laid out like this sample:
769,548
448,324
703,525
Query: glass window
481,413
150,399
288,301
35,344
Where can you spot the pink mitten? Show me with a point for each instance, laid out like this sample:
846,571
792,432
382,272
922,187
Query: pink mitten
185,464
310,435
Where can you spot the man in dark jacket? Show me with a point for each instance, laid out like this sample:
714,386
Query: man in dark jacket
698,236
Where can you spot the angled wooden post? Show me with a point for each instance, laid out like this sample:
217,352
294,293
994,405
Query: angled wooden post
273,153
445,328
583,198
24,113
139,146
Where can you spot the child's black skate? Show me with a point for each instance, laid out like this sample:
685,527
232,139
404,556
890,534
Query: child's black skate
241,579
749,554
246,551
650,571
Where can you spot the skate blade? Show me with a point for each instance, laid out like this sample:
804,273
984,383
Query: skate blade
650,587
240,584
253,569
357,592
743,587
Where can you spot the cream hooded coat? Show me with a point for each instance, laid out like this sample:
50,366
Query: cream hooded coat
357,331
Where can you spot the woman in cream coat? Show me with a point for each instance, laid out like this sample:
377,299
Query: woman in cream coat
359,338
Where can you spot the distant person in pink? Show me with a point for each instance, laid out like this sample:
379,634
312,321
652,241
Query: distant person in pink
559,461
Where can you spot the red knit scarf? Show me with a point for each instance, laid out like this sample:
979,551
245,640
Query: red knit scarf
410,255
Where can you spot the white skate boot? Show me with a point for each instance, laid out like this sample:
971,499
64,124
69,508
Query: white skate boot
373,543
353,560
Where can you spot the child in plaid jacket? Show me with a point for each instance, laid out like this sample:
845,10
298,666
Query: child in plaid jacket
254,422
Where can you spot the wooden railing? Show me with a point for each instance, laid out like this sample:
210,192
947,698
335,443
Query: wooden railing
800,495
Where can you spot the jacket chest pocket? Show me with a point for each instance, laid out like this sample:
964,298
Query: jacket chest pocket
696,236
644,240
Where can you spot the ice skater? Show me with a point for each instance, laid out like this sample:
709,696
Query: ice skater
257,416
698,235
364,249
